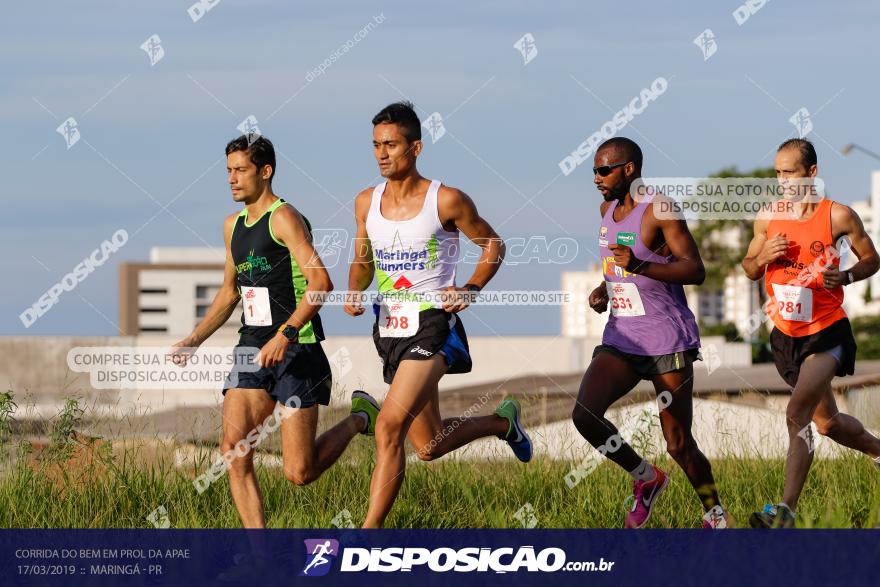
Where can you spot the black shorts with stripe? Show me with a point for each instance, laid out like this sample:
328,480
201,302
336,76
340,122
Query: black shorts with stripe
438,332
646,366
789,352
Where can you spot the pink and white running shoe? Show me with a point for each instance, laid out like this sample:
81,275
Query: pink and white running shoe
645,494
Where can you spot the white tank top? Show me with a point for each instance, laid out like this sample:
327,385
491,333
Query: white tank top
417,255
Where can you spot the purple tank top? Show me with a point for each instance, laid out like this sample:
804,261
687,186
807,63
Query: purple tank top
648,317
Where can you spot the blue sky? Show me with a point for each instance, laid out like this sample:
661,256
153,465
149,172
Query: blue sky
155,135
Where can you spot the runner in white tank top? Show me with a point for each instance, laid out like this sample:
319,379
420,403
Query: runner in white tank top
417,255
407,236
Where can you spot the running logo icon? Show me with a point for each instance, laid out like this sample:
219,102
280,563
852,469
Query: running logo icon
434,126
341,360
154,50
250,128
68,129
801,121
706,42
320,554
329,245
527,47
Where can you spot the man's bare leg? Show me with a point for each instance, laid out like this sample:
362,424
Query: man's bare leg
843,428
608,378
814,383
433,437
243,410
413,384
676,420
306,458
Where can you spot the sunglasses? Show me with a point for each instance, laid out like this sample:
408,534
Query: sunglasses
605,170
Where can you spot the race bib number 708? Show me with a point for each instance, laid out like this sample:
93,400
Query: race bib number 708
398,319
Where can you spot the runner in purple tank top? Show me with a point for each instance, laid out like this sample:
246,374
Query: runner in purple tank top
651,334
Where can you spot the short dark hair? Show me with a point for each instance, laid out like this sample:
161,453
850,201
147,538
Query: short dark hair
805,148
260,150
630,149
402,114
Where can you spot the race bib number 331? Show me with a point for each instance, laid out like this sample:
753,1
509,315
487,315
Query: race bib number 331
624,299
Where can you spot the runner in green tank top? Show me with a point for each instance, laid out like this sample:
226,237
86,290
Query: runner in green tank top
271,265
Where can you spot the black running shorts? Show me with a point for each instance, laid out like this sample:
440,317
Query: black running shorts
438,332
302,379
646,366
789,352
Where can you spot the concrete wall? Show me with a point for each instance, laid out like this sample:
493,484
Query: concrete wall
864,404
37,367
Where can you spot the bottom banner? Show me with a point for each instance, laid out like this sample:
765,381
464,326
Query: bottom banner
440,557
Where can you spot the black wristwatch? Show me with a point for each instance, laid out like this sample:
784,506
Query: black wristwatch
850,278
289,332
473,290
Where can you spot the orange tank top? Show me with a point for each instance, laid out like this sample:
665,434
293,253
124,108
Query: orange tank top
799,305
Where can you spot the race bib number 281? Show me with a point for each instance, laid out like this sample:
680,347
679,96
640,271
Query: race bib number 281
794,303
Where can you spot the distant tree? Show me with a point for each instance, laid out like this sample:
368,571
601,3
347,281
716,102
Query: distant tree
867,332
727,330
721,257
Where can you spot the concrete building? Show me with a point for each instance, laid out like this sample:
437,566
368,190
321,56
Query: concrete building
863,298
735,302
578,319
172,292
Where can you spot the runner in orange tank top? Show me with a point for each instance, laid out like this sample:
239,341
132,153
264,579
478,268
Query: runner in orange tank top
801,304
795,251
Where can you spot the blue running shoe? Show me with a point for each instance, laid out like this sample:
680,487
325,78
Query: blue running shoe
516,436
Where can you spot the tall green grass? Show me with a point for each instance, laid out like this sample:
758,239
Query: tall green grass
124,485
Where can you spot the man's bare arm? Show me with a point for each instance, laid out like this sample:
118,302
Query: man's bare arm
847,223
361,270
762,251
221,308
226,299
457,207
290,228
686,266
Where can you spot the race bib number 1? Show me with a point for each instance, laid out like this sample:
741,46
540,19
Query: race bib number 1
793,302
398,319
257,311
624,299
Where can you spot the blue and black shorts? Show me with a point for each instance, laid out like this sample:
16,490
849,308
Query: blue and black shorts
304,374
439,332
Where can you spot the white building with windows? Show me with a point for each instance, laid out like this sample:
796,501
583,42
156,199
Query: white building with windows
172,292
578,319
863,298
